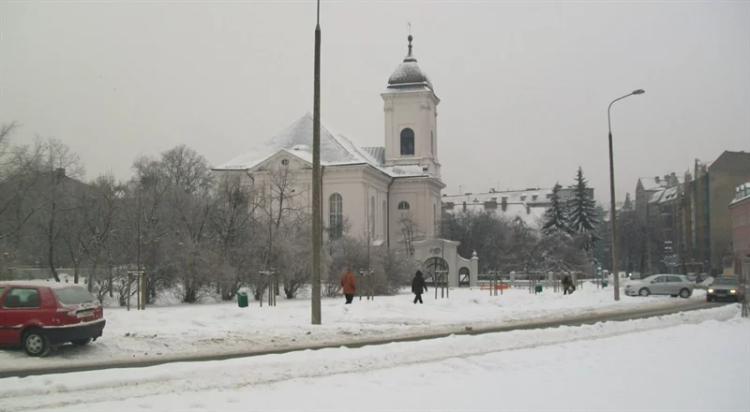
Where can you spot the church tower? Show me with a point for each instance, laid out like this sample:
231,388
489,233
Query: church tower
410,107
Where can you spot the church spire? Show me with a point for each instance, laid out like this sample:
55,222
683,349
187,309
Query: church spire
409,56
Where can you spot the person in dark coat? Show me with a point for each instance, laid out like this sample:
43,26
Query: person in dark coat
418,287
349,284
568,287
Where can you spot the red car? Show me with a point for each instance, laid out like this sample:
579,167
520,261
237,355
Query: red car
39,315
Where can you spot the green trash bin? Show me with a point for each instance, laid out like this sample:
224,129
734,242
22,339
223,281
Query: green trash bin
538,289
242,299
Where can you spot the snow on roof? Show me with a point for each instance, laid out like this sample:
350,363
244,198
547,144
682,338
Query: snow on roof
656,196
296,138
531,195
37,283
377,153
670,194
742,193
529,205
650,183
531,215
659,182
335,150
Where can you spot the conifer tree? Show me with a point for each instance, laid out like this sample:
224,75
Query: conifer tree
582,215
555,218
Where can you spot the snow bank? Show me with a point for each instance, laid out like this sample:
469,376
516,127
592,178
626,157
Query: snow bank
160,332
647,364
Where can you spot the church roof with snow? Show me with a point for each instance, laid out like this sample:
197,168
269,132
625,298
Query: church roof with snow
335,150
408,74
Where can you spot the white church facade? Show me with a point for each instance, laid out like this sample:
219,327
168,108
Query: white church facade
390,195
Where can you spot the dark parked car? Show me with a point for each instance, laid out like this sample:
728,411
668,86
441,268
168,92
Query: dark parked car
38,315
724,289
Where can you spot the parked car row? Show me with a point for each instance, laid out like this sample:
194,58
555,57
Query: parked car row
723,288
38,315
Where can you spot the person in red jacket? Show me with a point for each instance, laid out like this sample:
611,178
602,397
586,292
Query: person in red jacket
349,284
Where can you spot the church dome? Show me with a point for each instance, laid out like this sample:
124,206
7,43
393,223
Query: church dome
408,73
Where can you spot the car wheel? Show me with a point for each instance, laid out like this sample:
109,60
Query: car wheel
644,292
35,343
81,342
685,293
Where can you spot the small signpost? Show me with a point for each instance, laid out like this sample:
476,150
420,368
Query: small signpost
139,276
270,280
444,289
366,284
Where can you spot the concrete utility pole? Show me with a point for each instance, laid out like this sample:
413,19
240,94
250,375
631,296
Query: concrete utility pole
317,212
613,210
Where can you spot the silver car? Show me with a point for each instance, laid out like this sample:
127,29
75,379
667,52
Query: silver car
662,284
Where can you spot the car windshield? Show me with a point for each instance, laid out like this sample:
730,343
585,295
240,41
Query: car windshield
74,295
724,281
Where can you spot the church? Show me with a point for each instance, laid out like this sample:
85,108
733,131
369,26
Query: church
389,195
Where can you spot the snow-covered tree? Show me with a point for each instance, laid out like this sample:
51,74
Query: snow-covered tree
582,215
556,218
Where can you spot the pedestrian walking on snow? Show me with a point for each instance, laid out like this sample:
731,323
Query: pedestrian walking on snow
568,286
349,284
418,287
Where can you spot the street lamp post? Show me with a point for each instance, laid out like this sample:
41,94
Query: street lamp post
613,211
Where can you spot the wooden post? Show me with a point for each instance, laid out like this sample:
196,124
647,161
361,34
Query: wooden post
130,281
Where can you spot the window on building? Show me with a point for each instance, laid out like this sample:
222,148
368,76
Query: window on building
523,198
534,197
407,142
385,219
335,216
372,217
403,205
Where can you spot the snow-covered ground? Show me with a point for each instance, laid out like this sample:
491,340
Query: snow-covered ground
161,332
692,361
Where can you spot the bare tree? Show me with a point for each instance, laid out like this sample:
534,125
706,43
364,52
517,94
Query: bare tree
233,225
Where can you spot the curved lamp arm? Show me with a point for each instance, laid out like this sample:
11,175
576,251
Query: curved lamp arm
609,108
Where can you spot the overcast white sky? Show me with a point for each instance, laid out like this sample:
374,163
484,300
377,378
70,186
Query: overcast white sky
524,86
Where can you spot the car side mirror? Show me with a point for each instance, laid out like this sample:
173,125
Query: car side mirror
653,281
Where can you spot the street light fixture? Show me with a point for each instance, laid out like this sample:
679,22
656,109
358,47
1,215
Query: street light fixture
613,210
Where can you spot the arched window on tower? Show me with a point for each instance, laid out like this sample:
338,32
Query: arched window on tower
407,142
403,205
335,216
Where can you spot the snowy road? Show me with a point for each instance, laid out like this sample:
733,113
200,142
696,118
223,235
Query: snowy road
184,331
649,364
359,341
